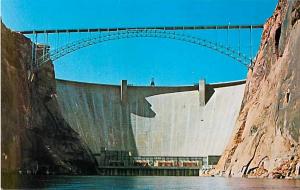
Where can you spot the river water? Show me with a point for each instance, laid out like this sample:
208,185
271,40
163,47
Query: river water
157,182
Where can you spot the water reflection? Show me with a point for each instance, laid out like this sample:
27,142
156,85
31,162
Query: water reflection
149,183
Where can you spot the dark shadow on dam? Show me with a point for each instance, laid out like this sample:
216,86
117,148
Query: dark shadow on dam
209,92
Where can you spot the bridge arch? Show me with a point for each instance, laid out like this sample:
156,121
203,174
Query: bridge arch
142,33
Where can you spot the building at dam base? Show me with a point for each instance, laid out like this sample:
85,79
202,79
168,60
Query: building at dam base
184,121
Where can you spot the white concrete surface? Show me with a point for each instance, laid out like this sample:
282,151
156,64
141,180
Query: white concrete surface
156,121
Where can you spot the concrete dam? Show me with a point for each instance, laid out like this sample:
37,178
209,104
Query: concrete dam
152,120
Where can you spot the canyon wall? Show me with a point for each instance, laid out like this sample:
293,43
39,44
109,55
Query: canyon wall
34,136
266,139
152,120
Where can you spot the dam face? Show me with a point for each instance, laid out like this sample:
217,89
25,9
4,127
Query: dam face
152,121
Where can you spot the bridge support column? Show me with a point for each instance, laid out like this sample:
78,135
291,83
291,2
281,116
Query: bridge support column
202,92
124,91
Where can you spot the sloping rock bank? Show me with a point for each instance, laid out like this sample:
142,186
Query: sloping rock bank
34,136
266,140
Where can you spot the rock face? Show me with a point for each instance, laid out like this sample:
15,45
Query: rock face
34,136
266,140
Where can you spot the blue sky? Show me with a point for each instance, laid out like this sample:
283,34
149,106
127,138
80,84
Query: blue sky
170,62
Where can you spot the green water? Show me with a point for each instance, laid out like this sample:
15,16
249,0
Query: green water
166,182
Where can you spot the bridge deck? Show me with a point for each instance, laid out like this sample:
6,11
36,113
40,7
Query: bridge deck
199,27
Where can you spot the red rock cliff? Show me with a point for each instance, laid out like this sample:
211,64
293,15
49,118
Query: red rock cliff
266,140
34,136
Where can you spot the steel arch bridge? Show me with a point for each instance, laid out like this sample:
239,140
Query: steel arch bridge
110,34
